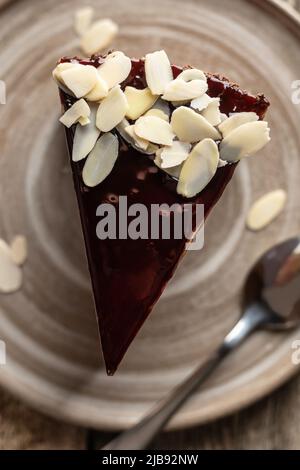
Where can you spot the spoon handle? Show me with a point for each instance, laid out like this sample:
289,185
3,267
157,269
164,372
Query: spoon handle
142,434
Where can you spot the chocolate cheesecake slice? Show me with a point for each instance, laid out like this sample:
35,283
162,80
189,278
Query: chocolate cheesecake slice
159,135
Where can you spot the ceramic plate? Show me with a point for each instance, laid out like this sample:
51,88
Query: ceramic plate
49,326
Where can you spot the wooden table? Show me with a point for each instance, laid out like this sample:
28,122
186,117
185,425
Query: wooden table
273,423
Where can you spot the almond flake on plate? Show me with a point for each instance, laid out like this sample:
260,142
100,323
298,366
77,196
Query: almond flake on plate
80,79
179,90
112,110
199,168
85,137
266,209
174,155
99,91
139,101
83,19
212,112
155,130
10,272
19,250
192,127
101,160
158,72
98,36
192,74
139,142
115,69
244,141
236,120
80,109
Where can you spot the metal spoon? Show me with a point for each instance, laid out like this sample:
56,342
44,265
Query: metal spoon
272,301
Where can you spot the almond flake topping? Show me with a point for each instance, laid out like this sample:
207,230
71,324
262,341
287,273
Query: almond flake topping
199,168
236,120
112,110
201,103
192,74
158,72
101,160
99,91
179,90
158,113
80,109
174,155
19,250
139,101
98,36
212,112
83,19
266,209
155,130
141,143
115,69
85,137
244,141
174,171
80,79
192,127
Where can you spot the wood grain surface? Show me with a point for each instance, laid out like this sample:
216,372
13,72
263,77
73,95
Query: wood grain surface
272,423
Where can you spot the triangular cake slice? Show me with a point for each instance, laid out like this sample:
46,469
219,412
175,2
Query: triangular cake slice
158,135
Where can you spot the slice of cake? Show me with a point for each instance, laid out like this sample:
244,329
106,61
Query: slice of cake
143,132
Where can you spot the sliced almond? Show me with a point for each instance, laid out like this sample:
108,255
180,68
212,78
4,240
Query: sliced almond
192,127
19,250
244,141
115,69
84,121
152,148
266,209
179,90
174,155
80,79
158,113
139,101
121,128
212,112
174,172
99,91
98,36
201,102
158,72
85,137
199,168
10,272
112,110
162,106
80,109
141,143
154,129
61,68
235,121
83,19
192,74
101,160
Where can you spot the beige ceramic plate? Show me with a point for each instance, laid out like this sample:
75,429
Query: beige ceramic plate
49,327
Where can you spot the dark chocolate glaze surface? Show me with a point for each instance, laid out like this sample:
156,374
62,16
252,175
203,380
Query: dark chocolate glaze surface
129,276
